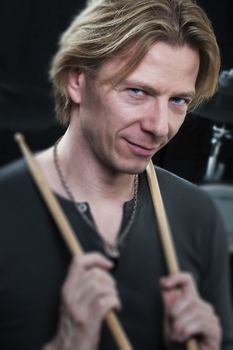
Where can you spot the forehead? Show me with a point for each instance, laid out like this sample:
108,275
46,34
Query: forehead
163,63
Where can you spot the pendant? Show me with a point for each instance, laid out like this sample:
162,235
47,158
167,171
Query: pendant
112,252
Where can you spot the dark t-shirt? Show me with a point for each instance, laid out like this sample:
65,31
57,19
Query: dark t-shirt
34,261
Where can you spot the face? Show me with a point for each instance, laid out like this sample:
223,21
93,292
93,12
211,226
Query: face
121,127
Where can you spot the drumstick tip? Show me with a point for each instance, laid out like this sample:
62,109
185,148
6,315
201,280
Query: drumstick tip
18,137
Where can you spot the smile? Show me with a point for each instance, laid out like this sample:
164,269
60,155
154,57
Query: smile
141,150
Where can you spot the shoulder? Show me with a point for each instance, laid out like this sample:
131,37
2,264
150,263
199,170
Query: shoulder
173,185
15,179
185,198
13,171
19,198
167,178
194,217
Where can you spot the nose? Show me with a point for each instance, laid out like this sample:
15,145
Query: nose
156,120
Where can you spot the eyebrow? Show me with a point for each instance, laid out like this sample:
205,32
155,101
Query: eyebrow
153,92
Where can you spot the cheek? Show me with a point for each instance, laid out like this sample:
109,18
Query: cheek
175,124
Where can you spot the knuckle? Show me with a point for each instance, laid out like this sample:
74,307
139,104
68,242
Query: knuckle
101,277
188,277
96,273
81,318
184,331
100,303
208,310
77,261
82,262
101,306
96,287
105,304
97,255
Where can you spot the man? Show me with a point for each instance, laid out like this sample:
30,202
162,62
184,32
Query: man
124,77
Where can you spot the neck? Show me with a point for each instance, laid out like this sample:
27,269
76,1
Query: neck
88,179
104,191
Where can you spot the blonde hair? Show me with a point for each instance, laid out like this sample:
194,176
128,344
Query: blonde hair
108,28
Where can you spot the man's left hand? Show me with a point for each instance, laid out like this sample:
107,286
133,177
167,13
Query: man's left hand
187,315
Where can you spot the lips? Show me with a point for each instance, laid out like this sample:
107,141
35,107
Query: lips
141,146
141,150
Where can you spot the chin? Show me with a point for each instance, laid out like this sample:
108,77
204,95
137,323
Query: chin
135,167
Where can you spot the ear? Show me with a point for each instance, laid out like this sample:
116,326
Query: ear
75,84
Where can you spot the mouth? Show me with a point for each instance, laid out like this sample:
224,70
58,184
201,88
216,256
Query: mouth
141,150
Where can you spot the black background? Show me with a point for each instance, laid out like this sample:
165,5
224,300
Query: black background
29,31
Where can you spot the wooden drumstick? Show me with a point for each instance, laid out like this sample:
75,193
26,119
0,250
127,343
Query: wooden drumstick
66,231
164,231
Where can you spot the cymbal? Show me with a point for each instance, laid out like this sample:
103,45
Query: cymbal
220,107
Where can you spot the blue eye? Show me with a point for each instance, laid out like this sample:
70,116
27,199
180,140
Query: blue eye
180,101
136,91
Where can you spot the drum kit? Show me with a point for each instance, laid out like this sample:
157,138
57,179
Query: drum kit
219,110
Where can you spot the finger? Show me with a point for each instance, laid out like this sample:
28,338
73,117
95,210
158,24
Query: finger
188,327
77,270
179,280
188,304
93,285
96,277
106,303
90,260
194,321
169,298
90,281
92,303
183,305
99,311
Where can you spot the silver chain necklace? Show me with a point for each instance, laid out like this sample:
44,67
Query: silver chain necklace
111,250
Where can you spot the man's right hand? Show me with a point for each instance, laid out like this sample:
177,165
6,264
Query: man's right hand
88,294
